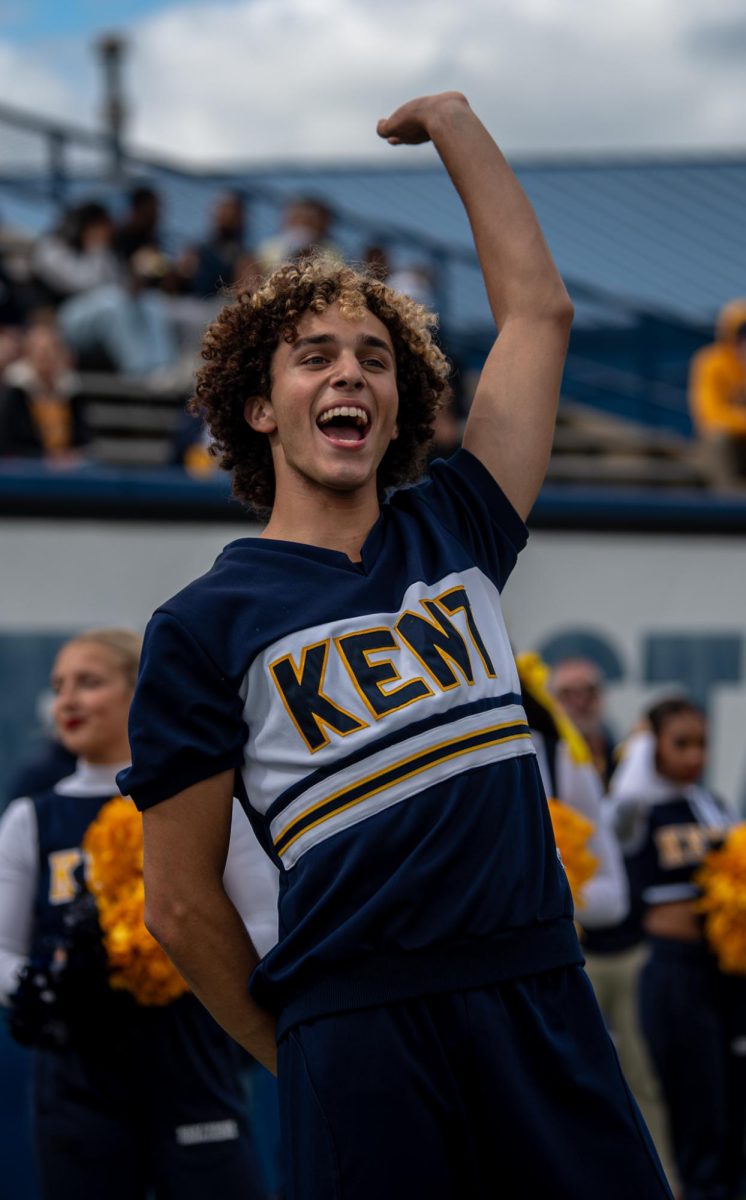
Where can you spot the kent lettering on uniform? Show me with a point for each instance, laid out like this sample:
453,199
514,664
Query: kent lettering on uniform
348,676
440,649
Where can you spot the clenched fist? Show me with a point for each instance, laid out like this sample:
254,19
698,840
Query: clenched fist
410,124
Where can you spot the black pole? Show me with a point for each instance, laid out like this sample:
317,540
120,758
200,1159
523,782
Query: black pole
57,167
111,50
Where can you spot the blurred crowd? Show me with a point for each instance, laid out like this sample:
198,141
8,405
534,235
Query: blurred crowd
99,295
98,298
101,300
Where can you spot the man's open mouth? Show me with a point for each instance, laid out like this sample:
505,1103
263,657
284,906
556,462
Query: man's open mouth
344,423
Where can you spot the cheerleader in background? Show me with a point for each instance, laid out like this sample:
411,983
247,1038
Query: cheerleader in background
667,822
568,774
126,1098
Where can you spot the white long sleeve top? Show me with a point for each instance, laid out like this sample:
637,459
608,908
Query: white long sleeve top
606,895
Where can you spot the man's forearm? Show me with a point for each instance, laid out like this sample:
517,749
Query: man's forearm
209,945
519,272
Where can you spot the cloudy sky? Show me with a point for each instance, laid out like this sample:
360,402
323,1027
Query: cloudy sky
278,79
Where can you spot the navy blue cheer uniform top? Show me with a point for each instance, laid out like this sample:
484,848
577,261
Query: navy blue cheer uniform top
666,838
372,713
125,1096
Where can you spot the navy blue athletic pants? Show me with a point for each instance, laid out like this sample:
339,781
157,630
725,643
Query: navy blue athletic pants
514,1090
693,1019
158,1110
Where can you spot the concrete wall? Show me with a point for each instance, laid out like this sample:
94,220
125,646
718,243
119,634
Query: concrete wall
655,609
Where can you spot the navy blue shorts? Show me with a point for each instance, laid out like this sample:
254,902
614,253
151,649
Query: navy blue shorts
514,1090
693,1018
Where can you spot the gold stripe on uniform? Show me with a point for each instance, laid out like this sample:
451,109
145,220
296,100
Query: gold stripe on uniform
407,775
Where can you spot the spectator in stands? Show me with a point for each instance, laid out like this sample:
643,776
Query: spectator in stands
141,226
578,685
717,395
216,259
305,228
40,414
125,326
414,279
76,256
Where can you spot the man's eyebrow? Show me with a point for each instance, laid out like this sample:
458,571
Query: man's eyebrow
320,339
370,339
328,339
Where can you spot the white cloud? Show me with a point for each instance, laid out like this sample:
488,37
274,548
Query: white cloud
286,78
283,79
29,80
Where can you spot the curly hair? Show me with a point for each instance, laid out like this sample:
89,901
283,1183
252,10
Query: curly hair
239,345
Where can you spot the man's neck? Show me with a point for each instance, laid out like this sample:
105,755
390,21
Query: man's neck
331,520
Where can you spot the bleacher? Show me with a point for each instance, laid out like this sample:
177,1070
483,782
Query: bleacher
649,249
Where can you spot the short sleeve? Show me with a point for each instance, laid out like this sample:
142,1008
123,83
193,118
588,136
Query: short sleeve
465,498
186,720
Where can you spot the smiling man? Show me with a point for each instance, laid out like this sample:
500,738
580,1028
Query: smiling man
348,675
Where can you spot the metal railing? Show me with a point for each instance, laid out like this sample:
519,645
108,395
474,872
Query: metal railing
623,358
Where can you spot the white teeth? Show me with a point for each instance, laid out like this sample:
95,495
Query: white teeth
344,410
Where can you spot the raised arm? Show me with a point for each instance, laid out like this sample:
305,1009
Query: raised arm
189,912
512,418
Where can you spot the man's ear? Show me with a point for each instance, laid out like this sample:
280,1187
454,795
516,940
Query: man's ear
258,414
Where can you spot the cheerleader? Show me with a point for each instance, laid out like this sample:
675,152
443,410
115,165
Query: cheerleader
128,1100
569,774
667,822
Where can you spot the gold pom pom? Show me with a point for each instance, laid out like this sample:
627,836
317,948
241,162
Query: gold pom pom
572,832
722,880
113,848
